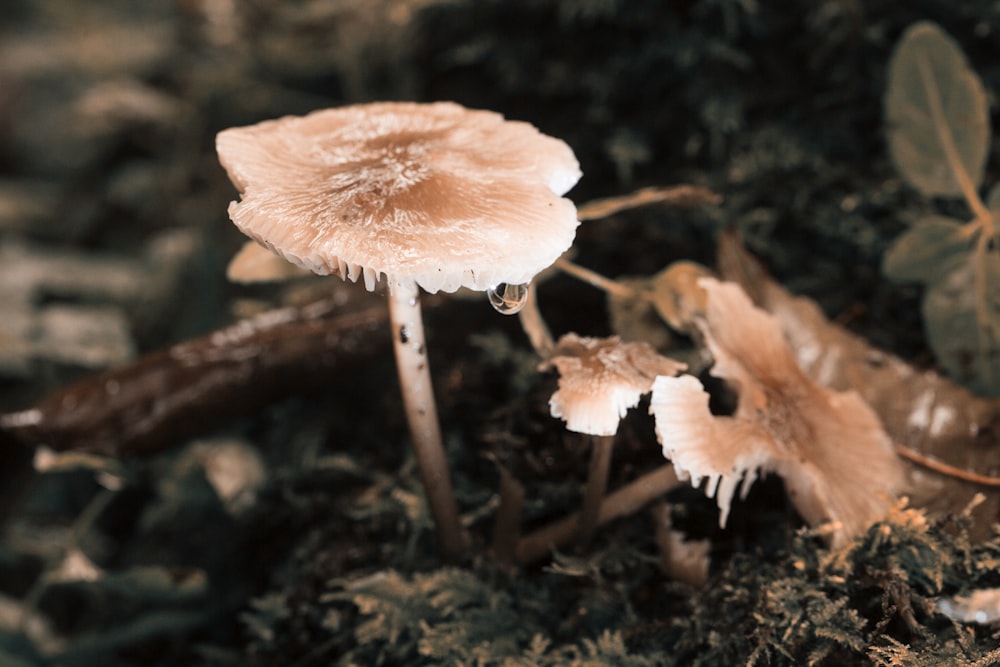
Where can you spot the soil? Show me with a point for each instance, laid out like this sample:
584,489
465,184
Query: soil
114,240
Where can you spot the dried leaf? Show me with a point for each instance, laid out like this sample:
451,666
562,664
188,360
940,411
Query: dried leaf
676,295
927,252
829,447
920,409
937,114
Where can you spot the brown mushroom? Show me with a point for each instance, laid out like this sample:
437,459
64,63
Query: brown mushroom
413,195
599,380
837,462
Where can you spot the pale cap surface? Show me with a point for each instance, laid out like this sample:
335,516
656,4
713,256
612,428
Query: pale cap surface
601,378
432,194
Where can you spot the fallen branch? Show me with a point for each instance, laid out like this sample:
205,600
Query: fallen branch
191,387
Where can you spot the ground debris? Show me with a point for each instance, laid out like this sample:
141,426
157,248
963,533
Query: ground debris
65,308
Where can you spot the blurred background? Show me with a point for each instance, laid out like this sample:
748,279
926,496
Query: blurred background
112,204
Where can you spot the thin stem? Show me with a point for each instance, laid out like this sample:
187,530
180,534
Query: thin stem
983,327
623,502
507,525
601,447
595,279
676,195
421,415
944,468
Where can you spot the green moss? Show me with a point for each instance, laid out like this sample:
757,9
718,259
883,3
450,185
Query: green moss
868,603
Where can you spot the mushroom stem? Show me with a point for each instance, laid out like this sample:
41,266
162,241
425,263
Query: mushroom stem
421,415
507,526
626,500
601,447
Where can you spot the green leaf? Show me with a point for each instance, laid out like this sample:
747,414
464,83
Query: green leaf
927,251
993,201
937,114
964,332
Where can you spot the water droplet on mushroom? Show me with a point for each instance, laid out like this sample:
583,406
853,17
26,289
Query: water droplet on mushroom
507,298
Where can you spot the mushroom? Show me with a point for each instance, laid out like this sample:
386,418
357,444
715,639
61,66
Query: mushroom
837,462
599,380
410,195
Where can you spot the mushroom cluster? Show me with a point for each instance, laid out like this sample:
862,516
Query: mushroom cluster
407,195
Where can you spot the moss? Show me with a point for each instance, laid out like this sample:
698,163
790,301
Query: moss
869,602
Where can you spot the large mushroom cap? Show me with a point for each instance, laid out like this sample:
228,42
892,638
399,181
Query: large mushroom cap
432,194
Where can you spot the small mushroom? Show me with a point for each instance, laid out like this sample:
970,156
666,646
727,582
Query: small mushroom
413,195
837,462
599,380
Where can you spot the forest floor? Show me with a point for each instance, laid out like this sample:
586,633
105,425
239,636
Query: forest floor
281,521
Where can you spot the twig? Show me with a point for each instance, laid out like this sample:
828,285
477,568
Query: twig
687,196
595,279
944,468
623,502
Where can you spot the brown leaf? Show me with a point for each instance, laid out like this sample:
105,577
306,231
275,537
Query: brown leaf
919,409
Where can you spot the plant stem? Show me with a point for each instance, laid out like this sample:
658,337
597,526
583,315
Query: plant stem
601,447
421,415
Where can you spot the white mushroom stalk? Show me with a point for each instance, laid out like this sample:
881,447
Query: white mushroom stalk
432,196
422,417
